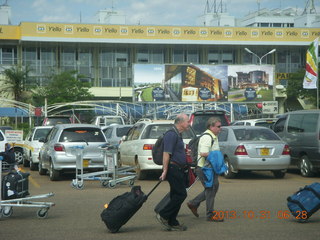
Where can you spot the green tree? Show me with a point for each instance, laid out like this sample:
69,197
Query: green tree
64,87
14,83
295,88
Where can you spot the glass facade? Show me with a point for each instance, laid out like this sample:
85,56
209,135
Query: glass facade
108,65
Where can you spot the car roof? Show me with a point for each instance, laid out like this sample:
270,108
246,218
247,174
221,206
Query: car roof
43,127
246,127
257,120
151,121
116,126
74,125
201,112
303,111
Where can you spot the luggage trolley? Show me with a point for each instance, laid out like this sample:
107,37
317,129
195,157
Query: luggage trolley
109,176
7,205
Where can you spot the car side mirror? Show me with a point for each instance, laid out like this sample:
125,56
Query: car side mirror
124,138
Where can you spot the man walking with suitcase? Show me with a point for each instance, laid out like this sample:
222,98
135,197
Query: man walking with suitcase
174,166
208,142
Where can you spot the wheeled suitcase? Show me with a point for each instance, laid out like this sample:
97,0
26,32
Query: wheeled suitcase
123,207
305,202
15,185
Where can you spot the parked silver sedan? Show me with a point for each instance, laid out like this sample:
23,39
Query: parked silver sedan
57,153
253,148
115,132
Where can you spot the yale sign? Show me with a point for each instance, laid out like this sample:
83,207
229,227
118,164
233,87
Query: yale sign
270,107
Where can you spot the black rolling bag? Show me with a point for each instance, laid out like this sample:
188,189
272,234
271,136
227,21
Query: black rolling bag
15,185
123,207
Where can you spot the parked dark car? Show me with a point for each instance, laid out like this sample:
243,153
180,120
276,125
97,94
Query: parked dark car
301,130
53,120
198,119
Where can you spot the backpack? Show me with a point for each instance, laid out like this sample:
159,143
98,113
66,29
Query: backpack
193,146
157,149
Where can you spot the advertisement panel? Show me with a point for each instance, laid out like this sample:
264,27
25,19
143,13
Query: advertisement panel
198,83
250,83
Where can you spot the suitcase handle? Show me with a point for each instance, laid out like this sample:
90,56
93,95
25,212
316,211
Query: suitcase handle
158,183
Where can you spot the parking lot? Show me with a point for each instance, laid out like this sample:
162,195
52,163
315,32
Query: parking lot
254,205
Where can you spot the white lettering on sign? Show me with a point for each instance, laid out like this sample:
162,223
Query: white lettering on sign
270,107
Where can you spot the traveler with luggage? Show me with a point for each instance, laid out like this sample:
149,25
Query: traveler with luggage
207,143
9,156
174,166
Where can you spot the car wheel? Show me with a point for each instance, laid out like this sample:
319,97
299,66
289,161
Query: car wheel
25,162
278,174
18,156
33,166
140,174
305,166
228,174
54,175
119,163
41,170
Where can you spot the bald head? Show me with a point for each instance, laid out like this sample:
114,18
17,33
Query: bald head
182,122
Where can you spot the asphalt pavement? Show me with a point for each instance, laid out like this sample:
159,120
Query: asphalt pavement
253,204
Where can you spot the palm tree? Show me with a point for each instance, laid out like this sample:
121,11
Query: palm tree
14,82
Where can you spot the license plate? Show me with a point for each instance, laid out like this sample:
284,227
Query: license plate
264,151
85,162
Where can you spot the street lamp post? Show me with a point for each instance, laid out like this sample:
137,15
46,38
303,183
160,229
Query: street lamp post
260,58
120,83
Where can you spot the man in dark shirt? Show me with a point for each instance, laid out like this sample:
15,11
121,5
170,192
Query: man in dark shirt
174,165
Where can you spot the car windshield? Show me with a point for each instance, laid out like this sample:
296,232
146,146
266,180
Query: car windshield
54,121
41,133
110,121
200,122
154,131
265,124
82,135
1,137
255,134
122,131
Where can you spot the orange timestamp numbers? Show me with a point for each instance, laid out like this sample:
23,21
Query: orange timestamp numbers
262,214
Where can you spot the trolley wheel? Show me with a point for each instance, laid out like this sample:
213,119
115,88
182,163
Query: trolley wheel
104,183
42,213
7,211
131,182
74,183
80,186
112,184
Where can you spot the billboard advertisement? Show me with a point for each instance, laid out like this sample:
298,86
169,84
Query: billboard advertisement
202,83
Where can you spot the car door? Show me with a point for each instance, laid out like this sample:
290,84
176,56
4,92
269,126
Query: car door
26,148
129,147
47,148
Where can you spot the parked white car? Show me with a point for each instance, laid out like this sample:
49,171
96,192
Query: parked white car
261,122
107,120
3,141
136,147
32,146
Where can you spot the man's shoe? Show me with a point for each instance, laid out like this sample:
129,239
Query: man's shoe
179,227
164,222
193,209
215,219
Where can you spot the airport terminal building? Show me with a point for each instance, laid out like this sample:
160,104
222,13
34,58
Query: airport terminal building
105,55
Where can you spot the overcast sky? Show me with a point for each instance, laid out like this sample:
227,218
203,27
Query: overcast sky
145,12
